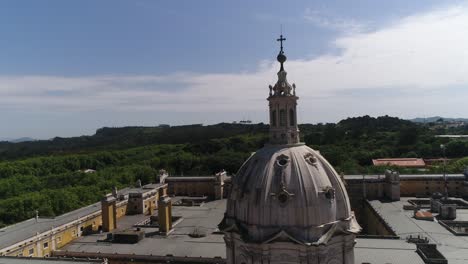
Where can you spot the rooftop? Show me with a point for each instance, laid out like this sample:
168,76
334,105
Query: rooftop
23,260
404,176
190,178
385,251
205,219
21,231
202,219
454,248
400,162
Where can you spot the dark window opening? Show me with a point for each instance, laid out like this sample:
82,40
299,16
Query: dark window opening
273,118
291,117
282,116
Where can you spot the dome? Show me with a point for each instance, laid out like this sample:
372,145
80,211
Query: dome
288,189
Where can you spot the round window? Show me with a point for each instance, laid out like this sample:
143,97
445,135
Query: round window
282,162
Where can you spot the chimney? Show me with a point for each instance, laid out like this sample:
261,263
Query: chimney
109,213
164,212
219,185
114,191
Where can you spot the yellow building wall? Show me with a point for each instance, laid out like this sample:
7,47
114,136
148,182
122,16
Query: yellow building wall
70,233
121,210
61,238
150,203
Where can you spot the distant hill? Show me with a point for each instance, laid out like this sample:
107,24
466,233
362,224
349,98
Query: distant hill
436,118
109,138
23,139
383,136
17,140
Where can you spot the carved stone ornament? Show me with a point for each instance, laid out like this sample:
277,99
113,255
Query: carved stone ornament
311,159
329,192
283,195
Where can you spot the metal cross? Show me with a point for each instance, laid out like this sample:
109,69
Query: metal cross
281,39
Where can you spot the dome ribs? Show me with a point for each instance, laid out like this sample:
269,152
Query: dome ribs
291,188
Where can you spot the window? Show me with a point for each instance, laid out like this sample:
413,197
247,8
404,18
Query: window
73,232
59,240
291,117
273,118
282,117
46,245
31,251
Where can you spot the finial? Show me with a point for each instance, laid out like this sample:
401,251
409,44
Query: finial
281,57
281,39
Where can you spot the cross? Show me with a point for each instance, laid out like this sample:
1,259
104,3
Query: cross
281,39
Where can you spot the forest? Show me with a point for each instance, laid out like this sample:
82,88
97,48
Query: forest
48,175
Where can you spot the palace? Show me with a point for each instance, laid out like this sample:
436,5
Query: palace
286,204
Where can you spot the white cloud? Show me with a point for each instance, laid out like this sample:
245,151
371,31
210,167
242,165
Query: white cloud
323,20
414,66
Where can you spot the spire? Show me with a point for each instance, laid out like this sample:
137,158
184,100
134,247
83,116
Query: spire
281,57
283,101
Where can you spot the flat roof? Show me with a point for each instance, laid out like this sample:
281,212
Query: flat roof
454,248
404,176
52,260
206,218
203,218
21,231
190,178
13,234
385,251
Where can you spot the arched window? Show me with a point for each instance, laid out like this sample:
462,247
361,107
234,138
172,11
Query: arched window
273,118
282,116
291,117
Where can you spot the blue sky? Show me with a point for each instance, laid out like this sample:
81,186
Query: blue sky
70,67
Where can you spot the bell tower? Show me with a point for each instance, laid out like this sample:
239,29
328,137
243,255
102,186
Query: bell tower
286,203
282,103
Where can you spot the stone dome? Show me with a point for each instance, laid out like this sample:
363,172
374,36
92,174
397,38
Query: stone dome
288,190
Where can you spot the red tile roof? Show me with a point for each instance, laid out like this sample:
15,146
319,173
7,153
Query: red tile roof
400,162
424,215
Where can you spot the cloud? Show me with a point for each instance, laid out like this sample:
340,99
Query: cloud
414,66
323,20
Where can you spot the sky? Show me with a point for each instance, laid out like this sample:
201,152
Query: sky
68,68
